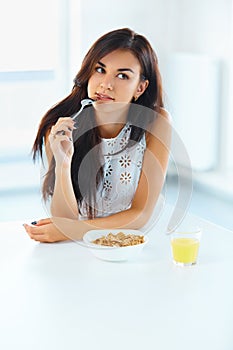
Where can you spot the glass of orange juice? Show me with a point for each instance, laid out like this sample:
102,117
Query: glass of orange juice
185,246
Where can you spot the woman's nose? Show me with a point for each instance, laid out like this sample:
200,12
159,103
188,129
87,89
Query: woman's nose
106,83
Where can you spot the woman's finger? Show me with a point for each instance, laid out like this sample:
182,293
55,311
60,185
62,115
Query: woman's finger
64,131
41,222
62,126
57,139
46,234
35,230
36,233
38,238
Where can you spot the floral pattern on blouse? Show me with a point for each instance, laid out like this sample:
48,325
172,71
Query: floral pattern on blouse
121,172
125,160
125,178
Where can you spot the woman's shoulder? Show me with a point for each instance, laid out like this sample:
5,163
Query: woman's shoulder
160,126
165,113
162,115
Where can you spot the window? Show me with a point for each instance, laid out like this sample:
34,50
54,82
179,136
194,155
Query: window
33,76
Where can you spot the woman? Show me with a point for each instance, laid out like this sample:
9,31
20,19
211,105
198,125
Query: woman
106,170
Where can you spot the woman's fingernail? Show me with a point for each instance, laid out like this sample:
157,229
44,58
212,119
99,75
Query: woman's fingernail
70,138
33,222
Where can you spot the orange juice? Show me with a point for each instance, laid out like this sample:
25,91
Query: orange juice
185,250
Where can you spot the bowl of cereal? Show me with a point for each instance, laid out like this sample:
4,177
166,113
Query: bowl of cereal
115,245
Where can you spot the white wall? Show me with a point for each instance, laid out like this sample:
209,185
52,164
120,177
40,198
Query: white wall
202,26
206,27
147,18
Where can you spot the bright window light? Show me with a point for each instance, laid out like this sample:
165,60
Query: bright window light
28,30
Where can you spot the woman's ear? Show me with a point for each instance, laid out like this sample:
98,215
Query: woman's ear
141,88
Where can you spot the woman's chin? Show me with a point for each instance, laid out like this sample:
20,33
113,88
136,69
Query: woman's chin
110,106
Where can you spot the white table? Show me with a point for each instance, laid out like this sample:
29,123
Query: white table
58,296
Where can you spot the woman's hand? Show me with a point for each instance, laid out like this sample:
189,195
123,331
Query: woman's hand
61,143
45,231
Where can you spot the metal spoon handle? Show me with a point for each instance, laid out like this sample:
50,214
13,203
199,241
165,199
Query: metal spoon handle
84,103
75,115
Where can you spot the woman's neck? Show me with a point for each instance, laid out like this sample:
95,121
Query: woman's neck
110,121
109,131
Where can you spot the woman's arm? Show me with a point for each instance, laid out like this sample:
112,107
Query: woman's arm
59,144
149,187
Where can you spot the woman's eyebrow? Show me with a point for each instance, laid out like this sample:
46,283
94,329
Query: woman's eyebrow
119,70
101,64
125,69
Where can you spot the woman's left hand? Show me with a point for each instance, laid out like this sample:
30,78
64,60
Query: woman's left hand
45,231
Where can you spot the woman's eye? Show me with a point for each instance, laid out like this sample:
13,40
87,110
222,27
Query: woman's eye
99,69
123,76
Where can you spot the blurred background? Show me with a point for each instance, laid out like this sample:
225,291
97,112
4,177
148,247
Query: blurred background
42,46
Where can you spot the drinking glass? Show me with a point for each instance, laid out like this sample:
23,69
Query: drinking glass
185,246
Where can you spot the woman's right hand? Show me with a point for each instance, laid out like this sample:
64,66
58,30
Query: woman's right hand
61,142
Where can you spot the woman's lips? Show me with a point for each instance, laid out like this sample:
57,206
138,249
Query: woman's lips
103,97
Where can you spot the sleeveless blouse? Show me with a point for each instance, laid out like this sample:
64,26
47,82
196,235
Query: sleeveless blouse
122,167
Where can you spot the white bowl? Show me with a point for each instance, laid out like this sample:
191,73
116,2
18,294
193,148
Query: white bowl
113,253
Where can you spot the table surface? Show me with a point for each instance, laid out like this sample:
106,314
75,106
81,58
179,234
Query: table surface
59,296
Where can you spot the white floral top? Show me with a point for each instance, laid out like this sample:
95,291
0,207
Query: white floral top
121,172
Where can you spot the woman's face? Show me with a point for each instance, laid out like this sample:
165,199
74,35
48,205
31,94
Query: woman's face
116,78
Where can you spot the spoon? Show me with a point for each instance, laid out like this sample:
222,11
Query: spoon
84,103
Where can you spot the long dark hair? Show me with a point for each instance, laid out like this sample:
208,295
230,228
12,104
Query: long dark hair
87,136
